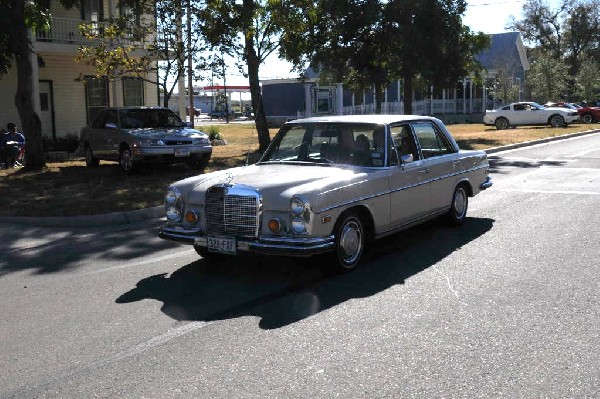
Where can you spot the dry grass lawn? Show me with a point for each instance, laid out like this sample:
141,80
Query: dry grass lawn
70,188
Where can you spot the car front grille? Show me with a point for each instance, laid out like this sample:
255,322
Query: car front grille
232,210
178,142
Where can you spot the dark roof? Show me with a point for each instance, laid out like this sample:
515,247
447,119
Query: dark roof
503,48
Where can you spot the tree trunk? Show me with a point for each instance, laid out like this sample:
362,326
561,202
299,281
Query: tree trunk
30,120
260,118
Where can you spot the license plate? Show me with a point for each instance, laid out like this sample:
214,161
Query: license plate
182,152
225,245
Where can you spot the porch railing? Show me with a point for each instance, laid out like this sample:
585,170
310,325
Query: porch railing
66,30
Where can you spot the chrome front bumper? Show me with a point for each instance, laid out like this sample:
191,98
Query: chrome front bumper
486,184
297,246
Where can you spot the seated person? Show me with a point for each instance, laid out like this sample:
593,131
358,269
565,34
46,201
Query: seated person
13,144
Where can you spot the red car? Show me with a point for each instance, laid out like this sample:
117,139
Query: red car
586,114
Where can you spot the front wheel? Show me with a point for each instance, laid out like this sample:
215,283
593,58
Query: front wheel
557,121
349,242
502,123
90,160
587,118
126,159
458,208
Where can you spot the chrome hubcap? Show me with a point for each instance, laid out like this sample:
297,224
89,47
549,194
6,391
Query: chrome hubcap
350,241
460,203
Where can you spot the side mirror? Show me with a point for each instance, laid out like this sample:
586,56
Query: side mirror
407,158
110,125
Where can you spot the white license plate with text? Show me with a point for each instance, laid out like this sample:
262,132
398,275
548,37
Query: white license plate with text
182,152
226,245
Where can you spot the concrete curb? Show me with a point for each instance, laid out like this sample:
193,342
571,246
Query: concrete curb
131,217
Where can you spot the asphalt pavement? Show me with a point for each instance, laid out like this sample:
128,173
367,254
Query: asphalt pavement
132,217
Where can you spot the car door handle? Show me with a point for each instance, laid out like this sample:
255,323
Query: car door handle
426,170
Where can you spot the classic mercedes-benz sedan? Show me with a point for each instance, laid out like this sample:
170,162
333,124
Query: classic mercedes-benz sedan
328,186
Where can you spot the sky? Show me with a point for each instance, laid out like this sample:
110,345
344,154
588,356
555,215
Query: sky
488,16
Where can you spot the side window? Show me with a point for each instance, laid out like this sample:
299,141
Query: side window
111,117
433,143
98,122
405,141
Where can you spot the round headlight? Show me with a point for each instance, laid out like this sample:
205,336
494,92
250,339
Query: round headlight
170,197
172,213
297,206
298,226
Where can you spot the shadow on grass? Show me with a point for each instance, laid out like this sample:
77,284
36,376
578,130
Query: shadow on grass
281,291
72,189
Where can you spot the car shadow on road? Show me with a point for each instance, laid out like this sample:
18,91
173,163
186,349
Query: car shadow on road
281,291
502,165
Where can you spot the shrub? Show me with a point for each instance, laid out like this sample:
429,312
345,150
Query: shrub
213,133
68,143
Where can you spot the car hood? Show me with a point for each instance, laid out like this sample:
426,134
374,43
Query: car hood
161,132
279,182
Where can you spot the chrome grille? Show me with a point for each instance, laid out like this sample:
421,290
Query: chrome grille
232,211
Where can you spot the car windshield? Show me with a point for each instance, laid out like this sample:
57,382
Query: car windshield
536,105
328,143
149,118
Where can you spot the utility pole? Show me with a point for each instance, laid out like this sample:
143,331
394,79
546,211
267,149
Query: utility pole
191,109
225,90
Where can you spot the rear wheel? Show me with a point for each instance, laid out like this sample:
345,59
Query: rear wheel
90,160
458,208
502,123
587,118
557,121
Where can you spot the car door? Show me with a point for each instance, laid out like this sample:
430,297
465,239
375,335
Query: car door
408,178
441,161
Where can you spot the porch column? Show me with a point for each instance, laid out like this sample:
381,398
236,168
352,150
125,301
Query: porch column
471,96
307,100
443,101
430,100
464,96
339,99
35,77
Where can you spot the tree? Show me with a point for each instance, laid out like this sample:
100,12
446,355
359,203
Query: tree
547,78
505,87
18,17
587,80
248,32
149,48
570,32
372,42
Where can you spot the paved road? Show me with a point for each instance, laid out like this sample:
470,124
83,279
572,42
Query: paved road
507,306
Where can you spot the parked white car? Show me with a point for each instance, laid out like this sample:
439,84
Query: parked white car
529,113
328,185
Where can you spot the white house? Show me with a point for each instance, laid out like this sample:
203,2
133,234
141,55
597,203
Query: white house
64,102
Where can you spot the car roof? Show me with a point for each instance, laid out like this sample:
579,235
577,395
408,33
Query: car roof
370,118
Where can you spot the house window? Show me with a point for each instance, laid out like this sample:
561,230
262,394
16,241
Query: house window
96,96
131,12
324,98
133,91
